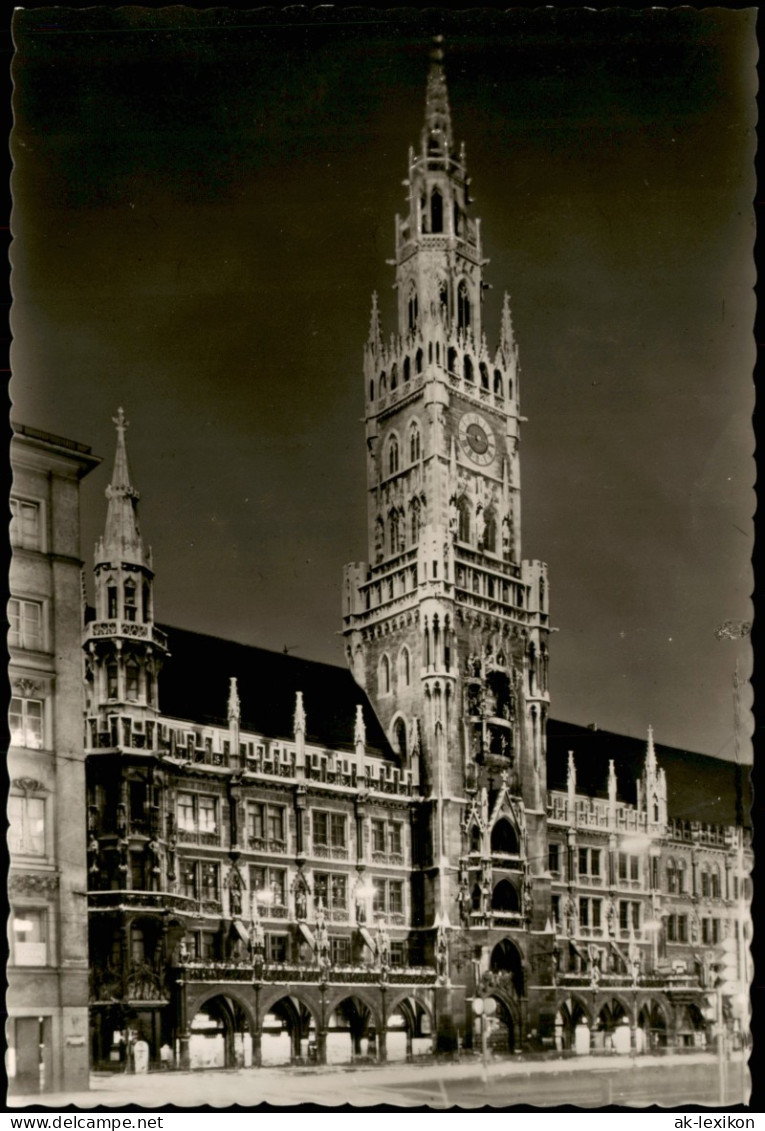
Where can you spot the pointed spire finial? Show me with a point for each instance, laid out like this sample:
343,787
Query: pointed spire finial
122,536
360,730
375,333
506,334
234,706
650,753
437,132
299,719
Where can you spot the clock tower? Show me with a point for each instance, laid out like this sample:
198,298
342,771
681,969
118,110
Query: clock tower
446,627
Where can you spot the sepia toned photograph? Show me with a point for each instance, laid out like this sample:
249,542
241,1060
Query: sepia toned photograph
380,725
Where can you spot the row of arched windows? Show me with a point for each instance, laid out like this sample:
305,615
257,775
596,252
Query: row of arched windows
385,671
452,364
406,372
503,840
400,531
414,439
130,600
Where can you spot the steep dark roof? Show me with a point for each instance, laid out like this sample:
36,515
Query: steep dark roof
699,788
194,685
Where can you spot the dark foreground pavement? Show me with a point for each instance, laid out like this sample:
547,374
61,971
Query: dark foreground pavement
587,1082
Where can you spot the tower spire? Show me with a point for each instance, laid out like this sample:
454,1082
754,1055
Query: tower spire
122,535
437,131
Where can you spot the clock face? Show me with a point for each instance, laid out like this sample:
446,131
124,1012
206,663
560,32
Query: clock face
477,439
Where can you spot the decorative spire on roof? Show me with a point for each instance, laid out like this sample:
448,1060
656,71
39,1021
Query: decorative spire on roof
360,730
299,718
122,535
234,706
611,780
571,773
507,335
375,333
437,131
650,755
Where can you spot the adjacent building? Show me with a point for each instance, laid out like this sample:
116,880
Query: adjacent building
288,860
47,1027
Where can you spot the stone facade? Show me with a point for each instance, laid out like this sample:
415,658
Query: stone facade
284,863
47,973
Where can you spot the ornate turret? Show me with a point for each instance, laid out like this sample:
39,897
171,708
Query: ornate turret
124,648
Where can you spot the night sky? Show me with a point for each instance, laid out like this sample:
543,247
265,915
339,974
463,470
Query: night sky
203,204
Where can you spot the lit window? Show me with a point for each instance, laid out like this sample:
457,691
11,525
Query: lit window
26,816
30,936
25,620
186,812
208,815
26,525
25,719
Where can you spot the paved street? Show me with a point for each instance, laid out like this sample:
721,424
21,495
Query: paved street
587,1082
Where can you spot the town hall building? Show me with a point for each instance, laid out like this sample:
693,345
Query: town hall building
289,861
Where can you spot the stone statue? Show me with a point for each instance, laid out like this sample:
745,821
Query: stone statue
442,954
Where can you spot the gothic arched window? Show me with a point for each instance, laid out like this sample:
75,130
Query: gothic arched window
705,889
112,680
383,384
111,600
443,299
393,532
413,309
384,676
393,376
418,362
451,360
490,532
405,667
475,839
467,369
399,737
146,603
498,390
484,376
463,523
415,520
372,389
414,443
393,456
407,369
131,679
463,306
130,600
436,211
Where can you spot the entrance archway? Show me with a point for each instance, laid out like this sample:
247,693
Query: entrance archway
570,1014
501,1033
220,1035
652,1027
506,959
287,1030
611,1017
351,1032
691,1026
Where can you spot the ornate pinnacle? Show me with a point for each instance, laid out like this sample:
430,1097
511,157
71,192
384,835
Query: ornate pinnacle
375,334
650,754
506,335
234,706
438,122
360,730
299,720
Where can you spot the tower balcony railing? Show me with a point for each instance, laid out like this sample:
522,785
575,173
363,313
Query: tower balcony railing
105,629
502,567
715,836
